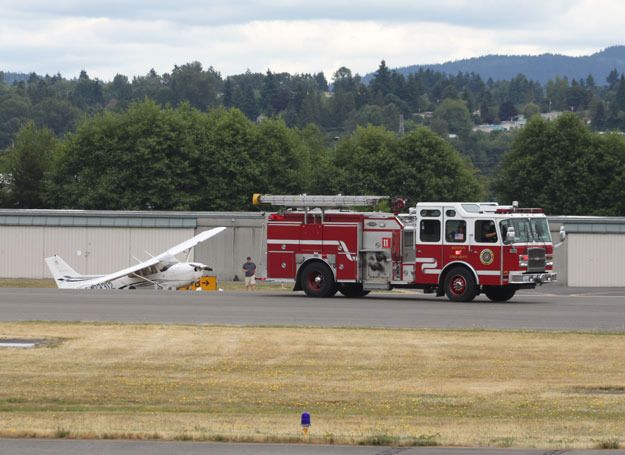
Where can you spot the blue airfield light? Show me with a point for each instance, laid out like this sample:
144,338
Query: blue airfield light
305,422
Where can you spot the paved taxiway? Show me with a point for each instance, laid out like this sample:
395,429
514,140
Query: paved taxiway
69,447
543,309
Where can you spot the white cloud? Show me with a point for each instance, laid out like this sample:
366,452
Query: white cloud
287,35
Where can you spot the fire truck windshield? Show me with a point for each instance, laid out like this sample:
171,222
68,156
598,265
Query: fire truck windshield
540,230
527,230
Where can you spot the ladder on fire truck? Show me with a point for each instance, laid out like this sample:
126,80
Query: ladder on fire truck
306,201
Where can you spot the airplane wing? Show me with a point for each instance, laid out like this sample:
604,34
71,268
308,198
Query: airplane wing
201,237
170,253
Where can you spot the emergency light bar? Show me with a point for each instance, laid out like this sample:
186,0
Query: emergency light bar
304,200
517,210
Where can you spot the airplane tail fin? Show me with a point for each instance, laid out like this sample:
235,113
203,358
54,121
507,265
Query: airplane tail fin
65,276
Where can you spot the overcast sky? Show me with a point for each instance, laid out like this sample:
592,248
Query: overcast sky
130,37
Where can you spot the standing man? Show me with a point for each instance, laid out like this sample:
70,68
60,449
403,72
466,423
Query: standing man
250,274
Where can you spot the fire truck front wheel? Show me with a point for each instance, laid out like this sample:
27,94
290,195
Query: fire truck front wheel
318,281
460,285
499,293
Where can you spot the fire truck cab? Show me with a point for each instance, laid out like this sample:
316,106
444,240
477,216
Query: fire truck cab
457,249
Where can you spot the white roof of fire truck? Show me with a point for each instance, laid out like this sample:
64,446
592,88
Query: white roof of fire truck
476,209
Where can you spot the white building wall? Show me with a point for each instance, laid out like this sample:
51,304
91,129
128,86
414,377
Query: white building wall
593,254
64,242
596,260
226,252
18,247
92,250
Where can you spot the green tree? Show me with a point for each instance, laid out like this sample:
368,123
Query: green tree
318,161
619,98
440,127
322,83
457,116
488,112
57,114
612,79
87,92
198,87
598,114
530,110
365,162
143,159
343,80
430,169
15,111
152,86
381,82
577,97
556,94
120,92
231,157
507,111
28,161
281,159
561,167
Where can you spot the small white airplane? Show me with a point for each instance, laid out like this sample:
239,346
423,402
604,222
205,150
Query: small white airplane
162,272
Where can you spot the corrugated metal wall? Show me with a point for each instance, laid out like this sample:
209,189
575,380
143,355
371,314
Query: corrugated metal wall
596,259
226,252
593,254
87,250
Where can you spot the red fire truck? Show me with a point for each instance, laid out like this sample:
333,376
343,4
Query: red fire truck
458,249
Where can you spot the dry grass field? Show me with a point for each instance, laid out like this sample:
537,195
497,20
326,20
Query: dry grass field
361,386
26,283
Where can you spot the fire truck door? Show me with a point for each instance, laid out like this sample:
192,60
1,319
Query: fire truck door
376,257
429,245
486,251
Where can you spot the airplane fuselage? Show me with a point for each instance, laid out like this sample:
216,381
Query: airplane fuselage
175,276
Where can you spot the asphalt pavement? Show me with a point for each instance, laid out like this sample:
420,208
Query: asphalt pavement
70,447
547,308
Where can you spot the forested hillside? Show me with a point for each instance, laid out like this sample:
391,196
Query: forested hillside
192,139
541,68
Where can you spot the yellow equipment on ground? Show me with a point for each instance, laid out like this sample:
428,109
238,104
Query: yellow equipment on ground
206,283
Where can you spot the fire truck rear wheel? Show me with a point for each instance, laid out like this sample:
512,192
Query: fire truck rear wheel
499,293
460,285
318,281
353,290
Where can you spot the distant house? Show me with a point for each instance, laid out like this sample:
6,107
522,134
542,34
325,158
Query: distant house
488,128
424,115
518,122
551,115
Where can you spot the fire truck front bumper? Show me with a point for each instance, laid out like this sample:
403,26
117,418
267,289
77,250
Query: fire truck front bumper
533,278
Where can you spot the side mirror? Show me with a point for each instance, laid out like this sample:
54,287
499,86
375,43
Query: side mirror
562,234
510,234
